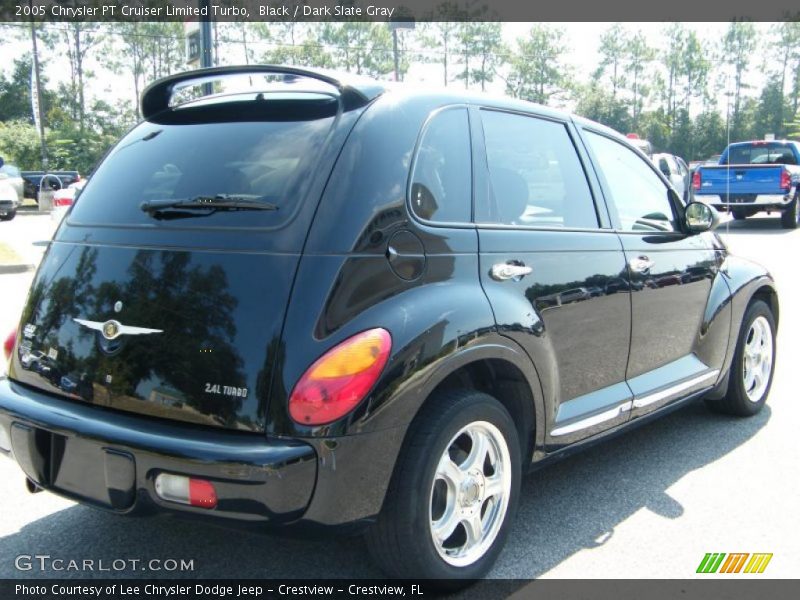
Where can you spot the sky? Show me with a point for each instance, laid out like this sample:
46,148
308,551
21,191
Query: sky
581,38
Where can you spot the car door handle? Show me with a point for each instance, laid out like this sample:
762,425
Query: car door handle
641,264
506,271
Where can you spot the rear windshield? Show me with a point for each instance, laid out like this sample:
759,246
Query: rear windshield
761,154
266,162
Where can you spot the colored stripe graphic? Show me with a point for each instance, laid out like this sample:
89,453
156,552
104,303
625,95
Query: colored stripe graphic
734,562
758,563
710,562
713,562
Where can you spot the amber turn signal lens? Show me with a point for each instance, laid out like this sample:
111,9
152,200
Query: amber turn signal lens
340,379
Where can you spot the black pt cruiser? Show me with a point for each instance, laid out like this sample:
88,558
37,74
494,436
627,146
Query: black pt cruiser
291,298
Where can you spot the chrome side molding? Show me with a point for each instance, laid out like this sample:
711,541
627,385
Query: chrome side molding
607,415
649,399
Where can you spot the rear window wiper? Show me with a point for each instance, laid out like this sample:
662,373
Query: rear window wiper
209,203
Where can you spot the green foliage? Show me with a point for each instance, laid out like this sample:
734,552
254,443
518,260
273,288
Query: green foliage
793,128
674,96
637,59
613,50
15,92
709,133
538,71
437,40
479,47
295,44
738,49
771,108
362,48
19,144
601,105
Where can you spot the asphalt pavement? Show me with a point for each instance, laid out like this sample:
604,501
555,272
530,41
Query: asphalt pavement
647,504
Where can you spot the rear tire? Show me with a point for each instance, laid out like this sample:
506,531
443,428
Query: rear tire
739,215
9,215
453,493
789,215
753,364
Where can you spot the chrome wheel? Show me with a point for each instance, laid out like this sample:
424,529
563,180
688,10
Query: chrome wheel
758,352
470,493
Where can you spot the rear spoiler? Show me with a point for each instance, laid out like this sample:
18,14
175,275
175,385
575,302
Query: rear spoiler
354,92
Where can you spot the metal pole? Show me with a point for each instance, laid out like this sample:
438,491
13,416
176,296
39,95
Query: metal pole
396,57
206,46
37,74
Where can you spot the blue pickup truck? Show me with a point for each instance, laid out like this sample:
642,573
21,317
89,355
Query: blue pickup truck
752,177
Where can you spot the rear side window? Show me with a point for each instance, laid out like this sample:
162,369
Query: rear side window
441,183
266,161
10,170
638,194
536,177
761,154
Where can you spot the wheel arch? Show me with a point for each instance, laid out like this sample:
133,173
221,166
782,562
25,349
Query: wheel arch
503,371
767,294
747,282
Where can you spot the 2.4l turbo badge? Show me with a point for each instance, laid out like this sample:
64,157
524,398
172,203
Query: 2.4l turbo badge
225,390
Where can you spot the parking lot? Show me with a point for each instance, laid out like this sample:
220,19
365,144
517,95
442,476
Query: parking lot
648,504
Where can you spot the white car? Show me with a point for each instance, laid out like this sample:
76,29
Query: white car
64,198
12,176
9,201
675,169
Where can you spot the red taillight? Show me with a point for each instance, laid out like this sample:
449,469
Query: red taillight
186,490
8,345
786,180
202,493
340,379
697,179
62,201
77,179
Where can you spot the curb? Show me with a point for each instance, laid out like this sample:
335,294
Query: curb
15,269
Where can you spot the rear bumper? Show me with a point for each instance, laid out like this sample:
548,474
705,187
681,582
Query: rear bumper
7,206
111,459
745,201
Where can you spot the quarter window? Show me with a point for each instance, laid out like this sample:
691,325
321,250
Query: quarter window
441,185
536,177
637,192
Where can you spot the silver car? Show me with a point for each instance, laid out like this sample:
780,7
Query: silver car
675,169
11,175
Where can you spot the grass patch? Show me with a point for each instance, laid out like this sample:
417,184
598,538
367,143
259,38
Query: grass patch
9,257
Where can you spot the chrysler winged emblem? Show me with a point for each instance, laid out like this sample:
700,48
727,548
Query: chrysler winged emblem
112,329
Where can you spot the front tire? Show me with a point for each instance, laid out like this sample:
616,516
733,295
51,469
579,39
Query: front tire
453,493
9,215
790,215
753,364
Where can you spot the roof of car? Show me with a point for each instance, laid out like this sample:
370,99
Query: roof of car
446,94
356,90
764,142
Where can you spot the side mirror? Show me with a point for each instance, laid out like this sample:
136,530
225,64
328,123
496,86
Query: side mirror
700,217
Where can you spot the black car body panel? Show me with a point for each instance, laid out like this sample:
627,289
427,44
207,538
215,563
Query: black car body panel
216,325
578,347
110,459
216,293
